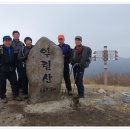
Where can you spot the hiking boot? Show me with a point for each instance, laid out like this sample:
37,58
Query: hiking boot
70,93
17,98
25,96
4,100
81,96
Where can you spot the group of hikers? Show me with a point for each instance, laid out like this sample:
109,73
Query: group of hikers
13,57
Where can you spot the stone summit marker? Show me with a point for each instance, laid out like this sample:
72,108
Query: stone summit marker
45,71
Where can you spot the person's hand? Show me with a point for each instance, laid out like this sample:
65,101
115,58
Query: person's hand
71,62
26,54
77,65
23,58
86,65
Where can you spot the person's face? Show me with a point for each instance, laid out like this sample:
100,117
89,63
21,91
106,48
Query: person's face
61,41
7,43
28,43
16,36
78,42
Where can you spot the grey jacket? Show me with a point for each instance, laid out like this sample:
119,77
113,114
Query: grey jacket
83,59
17,45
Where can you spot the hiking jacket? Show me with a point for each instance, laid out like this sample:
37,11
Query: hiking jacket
66,52
83,59
7,59
23,54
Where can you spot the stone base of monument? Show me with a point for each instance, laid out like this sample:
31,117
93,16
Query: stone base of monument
45,71
48,96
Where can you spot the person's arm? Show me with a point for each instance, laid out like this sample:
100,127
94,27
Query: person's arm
72,59
89,55
1,52
69,53
86,57
21,57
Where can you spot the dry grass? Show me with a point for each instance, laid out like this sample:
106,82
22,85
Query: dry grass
110,88
113,79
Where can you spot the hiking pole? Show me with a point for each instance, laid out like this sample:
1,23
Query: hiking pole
75,76
69,75
63,93
74,81
71,70
75,99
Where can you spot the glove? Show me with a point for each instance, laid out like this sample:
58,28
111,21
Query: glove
77,65
86,65
71,62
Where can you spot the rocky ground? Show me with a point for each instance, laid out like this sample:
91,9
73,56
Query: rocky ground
102,106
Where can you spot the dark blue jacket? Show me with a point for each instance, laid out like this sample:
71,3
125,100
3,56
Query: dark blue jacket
66,52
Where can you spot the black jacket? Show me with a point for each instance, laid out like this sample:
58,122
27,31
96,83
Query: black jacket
7,62
84,59
23,54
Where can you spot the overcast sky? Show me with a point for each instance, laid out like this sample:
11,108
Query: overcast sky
99,25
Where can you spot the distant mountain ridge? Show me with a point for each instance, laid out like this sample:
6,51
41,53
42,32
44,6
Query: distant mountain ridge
121,66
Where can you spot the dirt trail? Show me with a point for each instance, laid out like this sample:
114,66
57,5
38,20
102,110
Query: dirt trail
100,107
